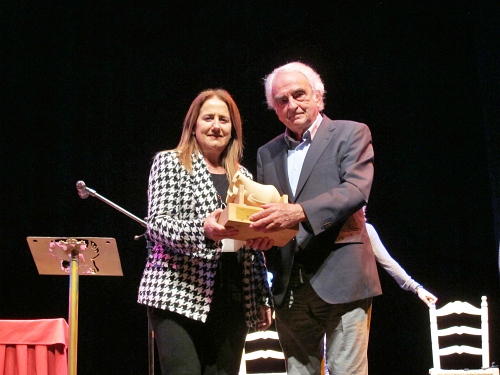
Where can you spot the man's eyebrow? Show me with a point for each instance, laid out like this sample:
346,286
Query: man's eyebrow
293,92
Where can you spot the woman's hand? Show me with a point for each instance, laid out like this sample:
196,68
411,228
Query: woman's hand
265,318
216,231
427,297
260,243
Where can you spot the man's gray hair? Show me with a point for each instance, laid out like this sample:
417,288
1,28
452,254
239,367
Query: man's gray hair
311,75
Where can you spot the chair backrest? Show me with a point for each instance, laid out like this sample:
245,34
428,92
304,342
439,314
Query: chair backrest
261,353
459,307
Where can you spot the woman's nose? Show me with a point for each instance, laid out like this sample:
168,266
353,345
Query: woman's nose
216,123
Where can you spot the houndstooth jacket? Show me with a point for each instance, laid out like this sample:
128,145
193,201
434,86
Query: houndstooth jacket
179,272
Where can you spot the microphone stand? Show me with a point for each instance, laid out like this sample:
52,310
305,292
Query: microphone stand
84,192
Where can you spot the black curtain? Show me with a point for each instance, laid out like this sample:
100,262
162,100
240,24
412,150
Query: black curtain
488,56
91,91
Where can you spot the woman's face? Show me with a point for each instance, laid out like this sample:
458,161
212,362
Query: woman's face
213,126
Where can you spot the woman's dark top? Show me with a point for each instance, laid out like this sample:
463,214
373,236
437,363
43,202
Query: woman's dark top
229,269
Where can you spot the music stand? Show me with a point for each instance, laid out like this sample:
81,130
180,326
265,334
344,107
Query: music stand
75,256
84,192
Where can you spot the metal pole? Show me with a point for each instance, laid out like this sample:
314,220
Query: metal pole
84,192
73,313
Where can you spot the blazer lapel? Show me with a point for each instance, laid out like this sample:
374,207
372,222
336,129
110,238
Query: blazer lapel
321,140
282,170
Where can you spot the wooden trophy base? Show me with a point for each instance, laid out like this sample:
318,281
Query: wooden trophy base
237,216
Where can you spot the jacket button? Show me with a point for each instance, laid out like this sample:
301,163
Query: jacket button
326,225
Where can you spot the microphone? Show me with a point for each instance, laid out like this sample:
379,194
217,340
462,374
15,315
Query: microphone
82,190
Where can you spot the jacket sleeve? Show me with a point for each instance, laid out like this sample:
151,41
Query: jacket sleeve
266,296
259,268
355,169
173,221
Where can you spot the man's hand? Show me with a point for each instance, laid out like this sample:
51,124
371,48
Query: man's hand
277,216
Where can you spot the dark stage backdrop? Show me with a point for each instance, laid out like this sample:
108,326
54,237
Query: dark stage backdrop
92,90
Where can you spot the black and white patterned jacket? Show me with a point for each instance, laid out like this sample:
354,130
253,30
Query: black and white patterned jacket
179,273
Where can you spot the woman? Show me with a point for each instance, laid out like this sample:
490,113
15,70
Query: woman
201,301
394,269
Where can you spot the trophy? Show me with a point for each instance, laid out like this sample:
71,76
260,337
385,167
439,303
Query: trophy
244,198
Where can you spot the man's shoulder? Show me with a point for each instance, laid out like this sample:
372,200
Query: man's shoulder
345,126
277,141
344,123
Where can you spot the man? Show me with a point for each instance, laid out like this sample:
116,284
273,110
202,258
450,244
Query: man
325,278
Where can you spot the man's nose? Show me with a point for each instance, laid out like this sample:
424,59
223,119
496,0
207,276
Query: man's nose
292,104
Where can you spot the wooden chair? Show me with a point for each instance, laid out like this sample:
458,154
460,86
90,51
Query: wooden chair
262,354
459,307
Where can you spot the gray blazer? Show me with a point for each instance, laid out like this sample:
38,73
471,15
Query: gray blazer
333,246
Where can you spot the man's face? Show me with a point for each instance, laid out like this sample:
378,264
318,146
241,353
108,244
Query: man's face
296,105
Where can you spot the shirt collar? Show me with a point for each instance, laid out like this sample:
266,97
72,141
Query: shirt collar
309,133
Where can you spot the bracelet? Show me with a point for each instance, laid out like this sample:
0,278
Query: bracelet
417,288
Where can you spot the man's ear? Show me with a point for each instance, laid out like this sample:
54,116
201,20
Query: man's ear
319,100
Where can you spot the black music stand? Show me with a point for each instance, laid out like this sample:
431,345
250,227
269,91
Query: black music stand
75,256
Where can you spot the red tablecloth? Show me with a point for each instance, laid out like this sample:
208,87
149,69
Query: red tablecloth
34,347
